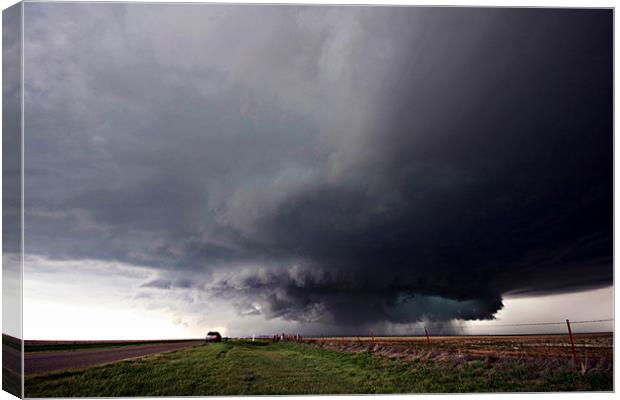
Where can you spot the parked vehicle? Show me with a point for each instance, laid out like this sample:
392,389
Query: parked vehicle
213,337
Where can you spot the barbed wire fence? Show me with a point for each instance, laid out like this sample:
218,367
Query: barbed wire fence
483,329
430,332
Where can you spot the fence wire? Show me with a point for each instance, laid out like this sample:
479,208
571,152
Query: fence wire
457,328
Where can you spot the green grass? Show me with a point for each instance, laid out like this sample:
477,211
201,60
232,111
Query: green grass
261,368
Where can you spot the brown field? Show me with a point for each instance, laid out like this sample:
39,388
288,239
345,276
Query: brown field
592,348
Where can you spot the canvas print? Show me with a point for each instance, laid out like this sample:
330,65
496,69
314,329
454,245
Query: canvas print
233,199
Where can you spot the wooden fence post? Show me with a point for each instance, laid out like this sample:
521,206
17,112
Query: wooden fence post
572,343
428,340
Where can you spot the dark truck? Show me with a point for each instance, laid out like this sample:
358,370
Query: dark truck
213,337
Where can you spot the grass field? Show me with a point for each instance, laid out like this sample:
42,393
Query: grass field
243,367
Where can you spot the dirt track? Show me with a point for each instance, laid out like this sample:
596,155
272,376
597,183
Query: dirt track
59,360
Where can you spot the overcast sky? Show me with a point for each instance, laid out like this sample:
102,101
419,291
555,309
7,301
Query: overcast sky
320,170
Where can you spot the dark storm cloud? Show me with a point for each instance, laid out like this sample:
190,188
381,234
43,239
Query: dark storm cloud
335,165
344,298
11,126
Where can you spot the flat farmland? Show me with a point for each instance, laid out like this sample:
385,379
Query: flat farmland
592,347
347,365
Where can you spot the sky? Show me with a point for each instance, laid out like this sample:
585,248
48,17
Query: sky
318,170
11,173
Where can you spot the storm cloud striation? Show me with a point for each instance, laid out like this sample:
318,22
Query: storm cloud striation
346,166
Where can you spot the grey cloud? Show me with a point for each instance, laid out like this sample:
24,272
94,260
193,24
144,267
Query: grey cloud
158,284
329,165
315,296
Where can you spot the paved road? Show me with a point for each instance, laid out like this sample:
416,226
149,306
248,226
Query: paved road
59,360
